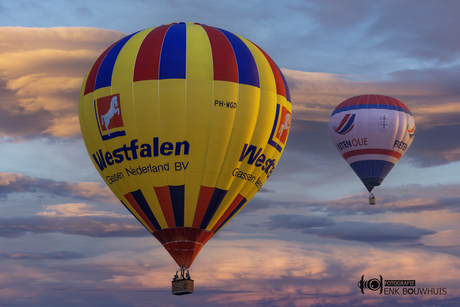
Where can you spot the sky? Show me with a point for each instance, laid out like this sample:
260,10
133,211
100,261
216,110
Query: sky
309,236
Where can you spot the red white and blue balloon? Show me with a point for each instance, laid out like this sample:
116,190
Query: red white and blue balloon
372,132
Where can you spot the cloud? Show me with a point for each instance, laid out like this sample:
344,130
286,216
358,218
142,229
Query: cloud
365,232
407,199
373,39
63,127
17,183
25,44
410,198
296,221
229,273
365,48
14,227
315,96
41,72
251,272
69,218
27,256
430,40
76,210
371,233
436,145
37,91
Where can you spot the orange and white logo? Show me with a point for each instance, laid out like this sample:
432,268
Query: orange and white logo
281,128
109,117
411,132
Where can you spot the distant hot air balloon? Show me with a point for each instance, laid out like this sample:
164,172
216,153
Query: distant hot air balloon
185,123
371,132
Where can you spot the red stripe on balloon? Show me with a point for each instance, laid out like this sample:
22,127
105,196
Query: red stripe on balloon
371,100
397,103
280,86
348,102
204,198
183,243
91,80
223,58
164,198
139,211
342,123
375,99
147,65
372,151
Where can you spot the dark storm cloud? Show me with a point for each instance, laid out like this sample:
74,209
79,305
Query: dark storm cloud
15,227
365,232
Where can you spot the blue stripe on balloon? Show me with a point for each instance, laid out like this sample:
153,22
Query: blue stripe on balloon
215,202
173,57
275,126
372,172
177,194
372,106
349,123
247,67
104,74
142,202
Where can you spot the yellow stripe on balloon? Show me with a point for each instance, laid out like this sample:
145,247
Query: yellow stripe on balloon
199,100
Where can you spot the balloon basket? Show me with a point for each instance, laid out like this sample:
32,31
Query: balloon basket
371,199
182,283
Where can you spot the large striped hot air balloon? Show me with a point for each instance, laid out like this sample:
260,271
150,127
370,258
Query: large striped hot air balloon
371,132
185,123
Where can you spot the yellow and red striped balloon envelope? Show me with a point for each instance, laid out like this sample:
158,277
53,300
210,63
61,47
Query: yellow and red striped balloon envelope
184,122
372,132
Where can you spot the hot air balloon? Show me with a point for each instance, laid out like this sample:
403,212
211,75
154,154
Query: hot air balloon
185,123
372,132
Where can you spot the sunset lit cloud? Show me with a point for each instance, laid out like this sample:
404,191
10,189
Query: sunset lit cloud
44,69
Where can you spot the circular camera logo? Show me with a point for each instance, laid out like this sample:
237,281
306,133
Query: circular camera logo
393,287
374,284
